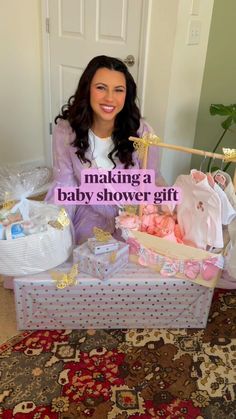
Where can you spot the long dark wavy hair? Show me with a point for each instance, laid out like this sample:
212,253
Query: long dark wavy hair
79,113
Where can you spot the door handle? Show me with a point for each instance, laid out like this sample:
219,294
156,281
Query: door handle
129,60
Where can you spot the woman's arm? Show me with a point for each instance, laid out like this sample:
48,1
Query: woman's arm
63,174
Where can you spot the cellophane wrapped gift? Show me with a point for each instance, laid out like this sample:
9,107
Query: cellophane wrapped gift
101,266
34,236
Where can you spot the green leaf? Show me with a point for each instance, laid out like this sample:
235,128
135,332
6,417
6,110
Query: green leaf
214,168
227,122
227,166
219,109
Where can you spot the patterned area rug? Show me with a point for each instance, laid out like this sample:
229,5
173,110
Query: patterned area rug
120,374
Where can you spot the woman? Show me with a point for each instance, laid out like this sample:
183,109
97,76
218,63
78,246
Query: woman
92,130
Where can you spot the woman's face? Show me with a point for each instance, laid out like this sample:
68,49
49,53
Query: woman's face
107,94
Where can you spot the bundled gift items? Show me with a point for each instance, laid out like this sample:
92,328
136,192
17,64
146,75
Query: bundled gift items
157,240
34,236
101,265
37,244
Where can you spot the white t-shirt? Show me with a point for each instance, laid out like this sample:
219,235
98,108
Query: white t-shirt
100,148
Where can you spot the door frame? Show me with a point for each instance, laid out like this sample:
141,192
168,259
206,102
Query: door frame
141,78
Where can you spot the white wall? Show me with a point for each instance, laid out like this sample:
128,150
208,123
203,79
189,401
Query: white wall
174,79
21,107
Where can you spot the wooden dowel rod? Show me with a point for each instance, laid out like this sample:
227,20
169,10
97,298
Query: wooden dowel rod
192,151
185,150
189,150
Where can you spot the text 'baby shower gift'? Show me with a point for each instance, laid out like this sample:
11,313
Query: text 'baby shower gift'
117,187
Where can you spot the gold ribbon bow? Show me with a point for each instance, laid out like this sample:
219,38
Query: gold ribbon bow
140,144
61,221
64,279
101,235
229,153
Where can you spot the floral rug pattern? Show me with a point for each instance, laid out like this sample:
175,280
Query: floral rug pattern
121,374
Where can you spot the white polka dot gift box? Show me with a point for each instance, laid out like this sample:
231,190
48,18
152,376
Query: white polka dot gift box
102,265
135,297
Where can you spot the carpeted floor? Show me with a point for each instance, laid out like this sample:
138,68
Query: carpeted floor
120,374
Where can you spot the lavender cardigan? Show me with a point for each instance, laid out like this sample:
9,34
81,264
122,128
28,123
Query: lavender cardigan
67,172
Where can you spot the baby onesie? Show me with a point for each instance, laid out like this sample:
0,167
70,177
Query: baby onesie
199,212
224,180
228,213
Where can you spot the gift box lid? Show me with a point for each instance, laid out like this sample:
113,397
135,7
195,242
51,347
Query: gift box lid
105,258
98,247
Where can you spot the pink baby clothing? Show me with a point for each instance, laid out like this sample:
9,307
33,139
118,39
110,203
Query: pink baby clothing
199,212
161,225
191,269
209,269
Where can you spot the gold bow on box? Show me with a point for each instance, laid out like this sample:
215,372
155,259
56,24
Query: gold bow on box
64,279
101,235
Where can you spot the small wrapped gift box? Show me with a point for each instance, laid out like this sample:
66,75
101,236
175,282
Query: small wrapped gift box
98,247
101,266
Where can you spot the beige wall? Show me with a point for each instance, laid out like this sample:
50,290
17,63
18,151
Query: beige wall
219,85
175,77
21,108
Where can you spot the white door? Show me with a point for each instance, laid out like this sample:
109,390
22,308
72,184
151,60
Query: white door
82,29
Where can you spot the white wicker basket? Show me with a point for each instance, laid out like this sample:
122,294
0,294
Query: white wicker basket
37,252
